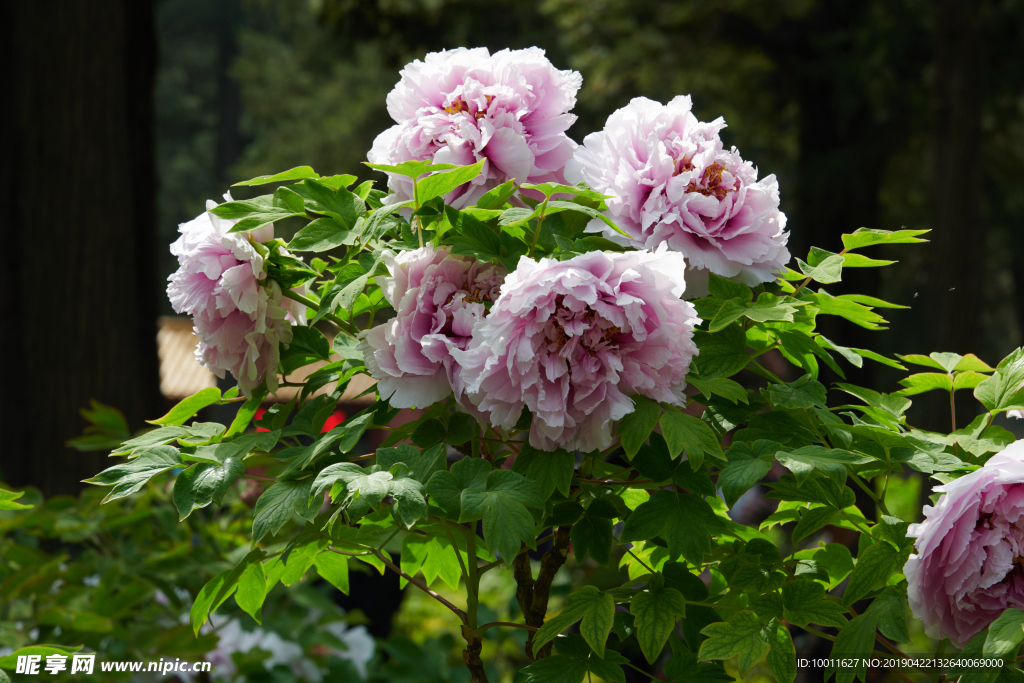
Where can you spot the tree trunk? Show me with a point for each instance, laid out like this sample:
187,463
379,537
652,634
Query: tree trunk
77,177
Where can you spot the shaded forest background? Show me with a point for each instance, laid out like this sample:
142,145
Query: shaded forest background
875,113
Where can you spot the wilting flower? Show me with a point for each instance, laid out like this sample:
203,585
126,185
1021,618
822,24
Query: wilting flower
573,340
672,182
969,565
239,315
460,106
437,297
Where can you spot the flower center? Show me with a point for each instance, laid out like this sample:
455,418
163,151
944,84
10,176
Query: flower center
592,337
459,105
710,183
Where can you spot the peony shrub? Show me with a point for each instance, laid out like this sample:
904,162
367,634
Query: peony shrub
596,362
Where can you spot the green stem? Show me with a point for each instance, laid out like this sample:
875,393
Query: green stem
637,668
645,565
540,220
483,628
472,579
759,369
393,567
458,553
867,489
343,325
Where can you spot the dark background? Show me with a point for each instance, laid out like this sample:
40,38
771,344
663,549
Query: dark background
123,116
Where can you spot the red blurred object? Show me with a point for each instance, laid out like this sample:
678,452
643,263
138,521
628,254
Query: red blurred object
336,418
258,416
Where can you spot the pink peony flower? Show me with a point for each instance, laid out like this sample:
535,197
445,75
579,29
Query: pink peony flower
240,317
437,297
671,181
573,340
969,565
460,106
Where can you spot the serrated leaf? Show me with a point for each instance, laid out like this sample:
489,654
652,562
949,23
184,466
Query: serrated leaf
502,505
742,637
127,478
549,470
831,462
684,520
634,428
804,603
204,483
875,565
597,612
684,432
275,507
655,610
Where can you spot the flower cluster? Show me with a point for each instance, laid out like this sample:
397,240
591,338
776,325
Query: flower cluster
671,181
460,106
969,565
240,316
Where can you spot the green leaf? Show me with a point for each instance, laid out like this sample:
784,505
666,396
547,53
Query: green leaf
926,381
722,354
656,609
635,427
892,610
1002,391
878,358
252,591
496,198
333,568
319,235
277,505
310,341
372,227
781,658
428,433
189,407
461,428
845,308
802,393
129,477
684,668
11,660
411,169
828,271
861,261
836,560
575,663
725,289
440,184
339,204
855,641
297,173
875,565
742,472
8,500
864,237
804,603
75,620
812,520
1005,635
767,307
408,504
742,636
446,487
548,470
502,504
422,464
204,483
968,380
253,214
684,520
592,533
831,462
597,612
720,386
686,432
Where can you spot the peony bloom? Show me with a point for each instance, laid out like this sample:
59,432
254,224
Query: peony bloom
460,106
672,182
969,565
239,315
573,340
437,297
